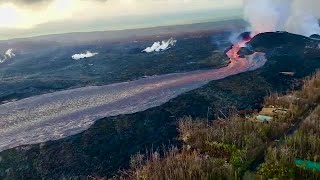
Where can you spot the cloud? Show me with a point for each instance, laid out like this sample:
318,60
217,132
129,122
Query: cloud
34,2
88,54
161,46
7,55
28,18
28,14
295,16
25,2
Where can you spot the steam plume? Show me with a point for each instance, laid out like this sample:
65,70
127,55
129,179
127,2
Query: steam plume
88,54
295,16
164,45
7,55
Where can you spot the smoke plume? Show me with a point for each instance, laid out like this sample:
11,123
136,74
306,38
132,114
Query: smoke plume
295,16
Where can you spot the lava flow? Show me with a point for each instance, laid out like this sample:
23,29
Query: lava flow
60,114
233,52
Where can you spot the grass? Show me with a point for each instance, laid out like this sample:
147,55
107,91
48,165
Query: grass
178,164
227,148
303,144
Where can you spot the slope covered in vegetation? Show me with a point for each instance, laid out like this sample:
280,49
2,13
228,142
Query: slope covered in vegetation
231,148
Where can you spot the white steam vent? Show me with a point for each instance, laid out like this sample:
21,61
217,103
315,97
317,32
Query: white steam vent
7,55
161,46
88,54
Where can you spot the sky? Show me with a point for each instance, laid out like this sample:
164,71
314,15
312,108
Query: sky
25,18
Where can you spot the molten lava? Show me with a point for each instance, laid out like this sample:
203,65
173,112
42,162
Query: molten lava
233,52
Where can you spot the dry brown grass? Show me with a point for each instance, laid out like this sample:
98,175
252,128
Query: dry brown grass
236,131
306,141
311,88
179,165
312,123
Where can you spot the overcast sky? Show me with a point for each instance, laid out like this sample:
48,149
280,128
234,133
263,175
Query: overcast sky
21,18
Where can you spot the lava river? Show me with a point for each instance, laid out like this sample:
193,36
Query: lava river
61,114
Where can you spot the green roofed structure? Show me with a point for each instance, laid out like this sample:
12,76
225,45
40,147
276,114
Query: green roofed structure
309,165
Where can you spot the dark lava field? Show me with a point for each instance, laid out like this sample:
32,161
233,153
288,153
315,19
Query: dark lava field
107,146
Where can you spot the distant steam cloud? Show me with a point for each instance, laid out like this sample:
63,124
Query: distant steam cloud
88,54
7,55
295,16
161,46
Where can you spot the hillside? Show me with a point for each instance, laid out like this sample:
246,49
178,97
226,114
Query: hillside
229,148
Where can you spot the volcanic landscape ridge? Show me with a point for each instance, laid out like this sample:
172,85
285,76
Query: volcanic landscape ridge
60,114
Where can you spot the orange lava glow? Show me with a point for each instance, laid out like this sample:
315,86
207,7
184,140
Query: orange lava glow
233,52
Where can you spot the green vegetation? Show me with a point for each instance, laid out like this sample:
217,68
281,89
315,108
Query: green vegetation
283,161
228,148
304,145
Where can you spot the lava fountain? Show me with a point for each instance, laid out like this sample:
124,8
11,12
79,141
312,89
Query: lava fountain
60,114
